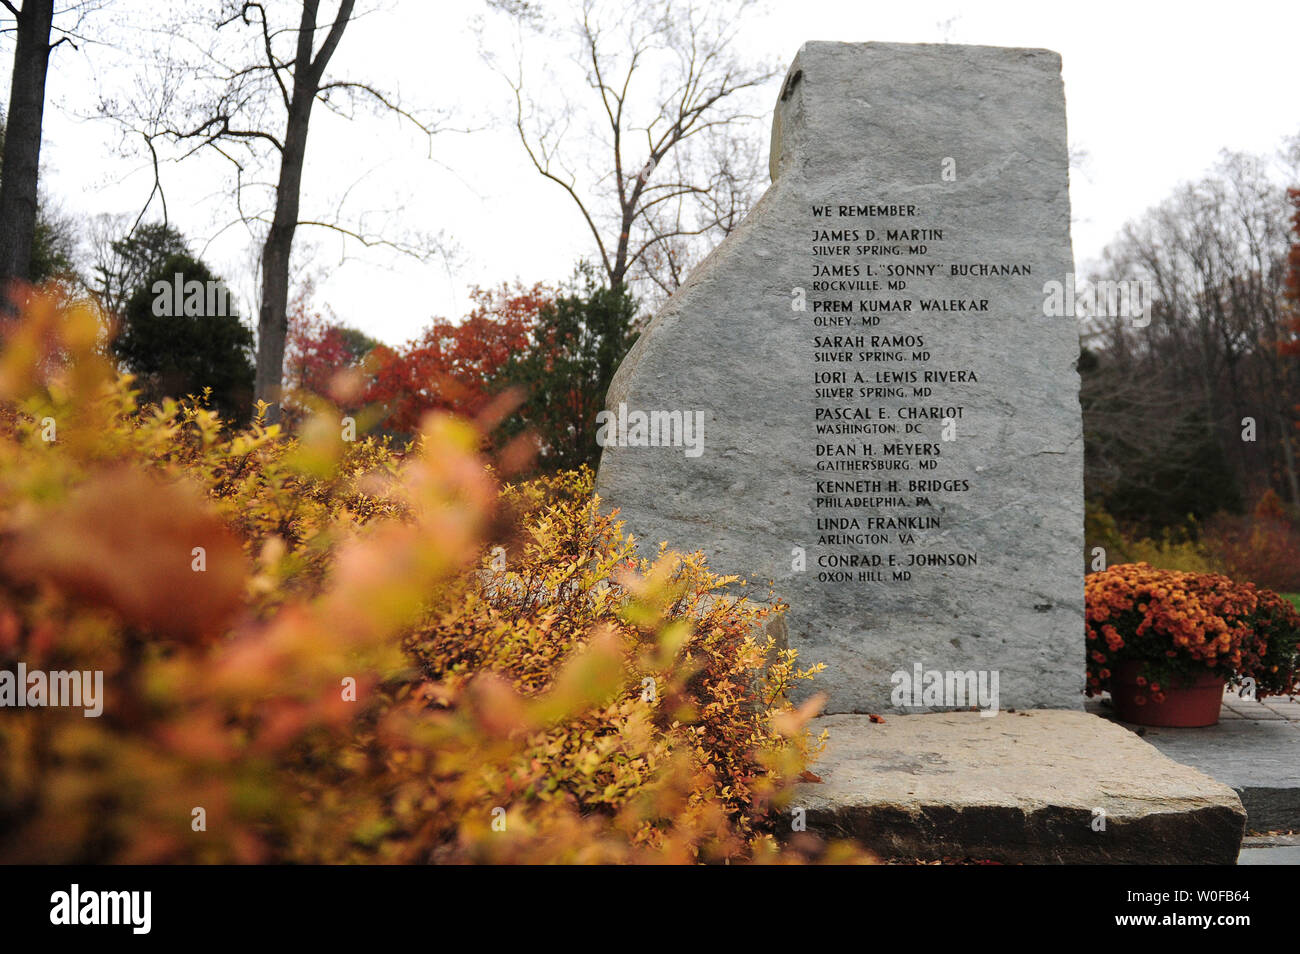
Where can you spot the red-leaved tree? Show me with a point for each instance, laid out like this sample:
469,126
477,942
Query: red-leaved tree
318,348
453,367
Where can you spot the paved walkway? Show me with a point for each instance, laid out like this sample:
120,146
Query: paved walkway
1255,749
1274,708
1270,850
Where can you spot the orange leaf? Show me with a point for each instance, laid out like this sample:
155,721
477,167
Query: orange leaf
126,542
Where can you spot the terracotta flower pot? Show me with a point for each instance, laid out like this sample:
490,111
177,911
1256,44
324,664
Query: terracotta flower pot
1186,706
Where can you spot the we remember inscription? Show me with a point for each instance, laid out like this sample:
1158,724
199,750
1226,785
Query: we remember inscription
888,397
890,426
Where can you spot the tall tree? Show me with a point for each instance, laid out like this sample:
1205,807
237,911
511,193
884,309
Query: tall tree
667,102
306,80
22,155
54,239
250,101
180,334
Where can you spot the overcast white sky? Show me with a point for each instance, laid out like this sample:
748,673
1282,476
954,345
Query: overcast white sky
1153,91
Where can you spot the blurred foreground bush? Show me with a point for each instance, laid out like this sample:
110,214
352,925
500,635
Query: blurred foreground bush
326,650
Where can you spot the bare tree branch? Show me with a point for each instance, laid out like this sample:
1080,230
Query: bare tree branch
671,63
245,93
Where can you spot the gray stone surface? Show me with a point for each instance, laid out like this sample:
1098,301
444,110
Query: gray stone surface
1254,749
1022,787
1270,841
1281,855
872,125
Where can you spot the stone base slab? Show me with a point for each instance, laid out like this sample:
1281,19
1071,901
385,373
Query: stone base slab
1029,787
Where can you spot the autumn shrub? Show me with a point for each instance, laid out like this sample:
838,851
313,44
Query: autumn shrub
1263,547
1180,625
686,645
312,650
1174,548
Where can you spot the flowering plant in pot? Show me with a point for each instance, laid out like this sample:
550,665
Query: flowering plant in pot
1164,643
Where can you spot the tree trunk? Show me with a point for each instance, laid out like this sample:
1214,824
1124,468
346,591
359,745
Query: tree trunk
22,154
618,271
1288,460
272,319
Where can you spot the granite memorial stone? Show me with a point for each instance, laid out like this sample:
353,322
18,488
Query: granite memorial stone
859,397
